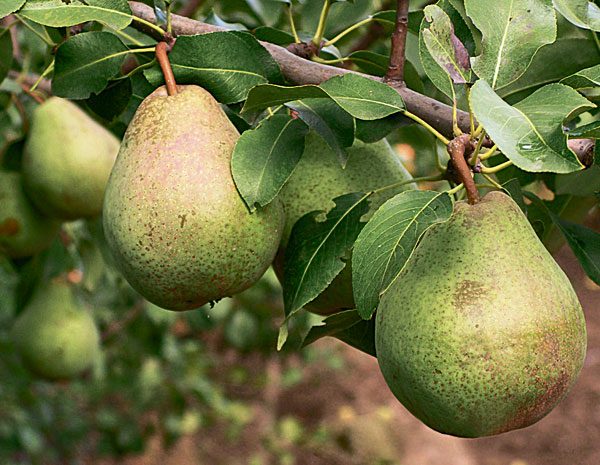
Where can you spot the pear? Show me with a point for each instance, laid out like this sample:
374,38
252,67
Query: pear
24,231
482,332
177,227
67,160
319,178
55,335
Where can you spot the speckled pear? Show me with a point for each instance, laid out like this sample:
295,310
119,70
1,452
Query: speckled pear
24,231
319,178
482,332
67,160
55,335
177,227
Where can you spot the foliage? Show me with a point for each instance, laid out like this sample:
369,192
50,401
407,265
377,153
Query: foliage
527,71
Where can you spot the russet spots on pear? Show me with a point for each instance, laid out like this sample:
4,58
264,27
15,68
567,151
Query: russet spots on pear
482,332
174,220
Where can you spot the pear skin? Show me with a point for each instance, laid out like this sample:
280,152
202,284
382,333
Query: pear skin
67,160
24,231
55,335
482,332
177,227
319,178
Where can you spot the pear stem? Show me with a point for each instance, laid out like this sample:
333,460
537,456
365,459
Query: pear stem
457,149
165,66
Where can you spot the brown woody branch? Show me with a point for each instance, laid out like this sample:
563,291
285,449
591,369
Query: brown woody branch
299,71
395,72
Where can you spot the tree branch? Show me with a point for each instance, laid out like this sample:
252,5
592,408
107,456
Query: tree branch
395,72
299,71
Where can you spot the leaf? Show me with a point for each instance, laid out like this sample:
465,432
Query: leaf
513,31
513,188
113,100
268,95
347,326
530,133
313,257
582,13
56,13
85,63
584,242
584,79
264,158
549,66
272,35
332,123
6,53
362,97
387,241
372,131
227,64
435,72
10,6
444,46
582,183
591,130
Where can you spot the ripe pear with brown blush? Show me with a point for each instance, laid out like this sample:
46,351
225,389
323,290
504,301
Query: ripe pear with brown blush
177,227
67,160
482,332
55,335
24,231
318,179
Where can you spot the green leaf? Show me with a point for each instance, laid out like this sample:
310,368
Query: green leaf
581,183
6,53
347,326
113,100
332,123
513,31
227,64
362,97
264,158
582,13
530,133
584,242
584,79
591,130
444,46
387,241
513,188
313,257
275,36
435,72
549,65
85,63
10,6
56,13
269,95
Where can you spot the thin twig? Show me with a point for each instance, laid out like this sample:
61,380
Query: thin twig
35,96
458,148
165,66
395,72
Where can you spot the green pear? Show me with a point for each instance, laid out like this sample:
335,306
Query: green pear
67,160
55,335
319,178
482,332
24,231
178,229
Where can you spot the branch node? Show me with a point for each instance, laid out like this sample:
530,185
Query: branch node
460,149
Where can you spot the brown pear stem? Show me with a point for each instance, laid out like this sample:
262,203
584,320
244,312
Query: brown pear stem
165,66
37,97
457,149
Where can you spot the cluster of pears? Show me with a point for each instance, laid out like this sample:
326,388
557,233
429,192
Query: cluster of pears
65,167
482,332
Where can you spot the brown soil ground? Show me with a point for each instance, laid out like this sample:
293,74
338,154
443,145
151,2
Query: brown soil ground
366,425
